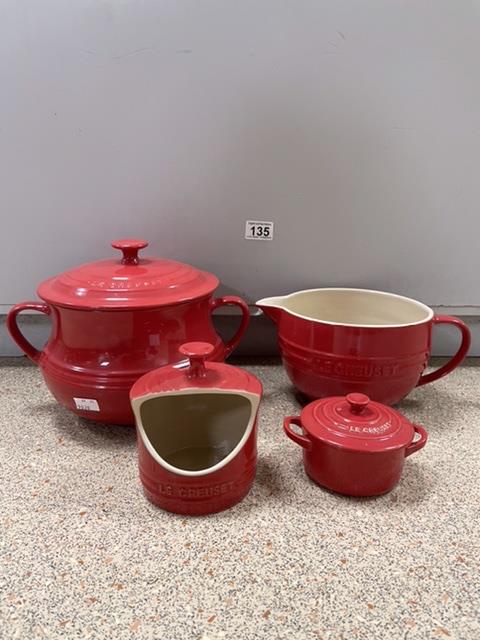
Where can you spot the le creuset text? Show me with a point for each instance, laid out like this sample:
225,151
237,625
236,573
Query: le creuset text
195,492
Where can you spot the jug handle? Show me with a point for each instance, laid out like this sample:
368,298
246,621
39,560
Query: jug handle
29,350
231,344
457,358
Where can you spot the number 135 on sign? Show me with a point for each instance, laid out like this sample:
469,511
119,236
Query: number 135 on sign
258,230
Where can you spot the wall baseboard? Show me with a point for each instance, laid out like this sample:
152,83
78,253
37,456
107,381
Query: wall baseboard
260,339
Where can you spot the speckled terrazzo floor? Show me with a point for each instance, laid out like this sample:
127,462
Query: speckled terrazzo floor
84,555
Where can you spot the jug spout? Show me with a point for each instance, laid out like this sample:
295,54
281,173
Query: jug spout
272,307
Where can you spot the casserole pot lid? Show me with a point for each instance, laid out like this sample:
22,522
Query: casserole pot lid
195,373
128,281
356,423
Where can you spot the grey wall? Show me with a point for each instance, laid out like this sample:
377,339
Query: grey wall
353,125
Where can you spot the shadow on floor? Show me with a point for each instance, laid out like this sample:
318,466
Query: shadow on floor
85,432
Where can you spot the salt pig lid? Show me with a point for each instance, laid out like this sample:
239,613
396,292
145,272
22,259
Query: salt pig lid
196,373
356,423
129,281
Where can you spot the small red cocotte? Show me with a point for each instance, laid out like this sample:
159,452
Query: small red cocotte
353,445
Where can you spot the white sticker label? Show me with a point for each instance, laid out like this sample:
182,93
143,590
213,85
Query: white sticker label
258,230
86,404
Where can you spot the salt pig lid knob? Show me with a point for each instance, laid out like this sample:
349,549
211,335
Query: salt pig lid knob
197,353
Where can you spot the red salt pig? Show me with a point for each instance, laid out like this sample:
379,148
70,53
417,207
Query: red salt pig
116,319
353,445
336,341
196,432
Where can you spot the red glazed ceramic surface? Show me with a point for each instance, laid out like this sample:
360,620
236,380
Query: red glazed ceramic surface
353,445
114,320
130,282
339,341
196,433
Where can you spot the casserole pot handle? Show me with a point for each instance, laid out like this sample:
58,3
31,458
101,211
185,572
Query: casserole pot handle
17,335
417,444
300,439
231,344
457,358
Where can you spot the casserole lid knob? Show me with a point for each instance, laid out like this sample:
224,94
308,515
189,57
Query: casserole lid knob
197,353
130,248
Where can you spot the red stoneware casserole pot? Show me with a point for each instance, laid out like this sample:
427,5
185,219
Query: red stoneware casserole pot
353,445
196,432
116,319
339,341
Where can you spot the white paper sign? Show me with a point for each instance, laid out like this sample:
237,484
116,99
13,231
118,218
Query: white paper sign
258,230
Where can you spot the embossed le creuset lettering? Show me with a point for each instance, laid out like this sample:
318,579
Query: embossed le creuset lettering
194,492
377,430
356,369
